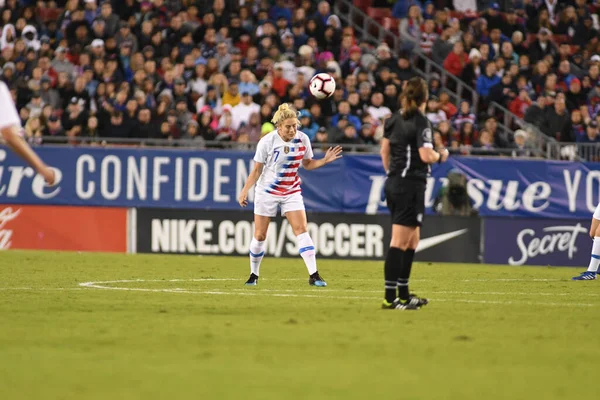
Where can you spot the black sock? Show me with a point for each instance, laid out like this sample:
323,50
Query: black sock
391,271
404,273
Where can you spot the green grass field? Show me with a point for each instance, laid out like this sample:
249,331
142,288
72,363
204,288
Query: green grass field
97,326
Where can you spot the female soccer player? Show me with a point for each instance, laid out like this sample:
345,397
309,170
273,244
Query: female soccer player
10,125
406,152
278,157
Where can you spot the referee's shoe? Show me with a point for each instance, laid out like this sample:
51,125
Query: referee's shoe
413,303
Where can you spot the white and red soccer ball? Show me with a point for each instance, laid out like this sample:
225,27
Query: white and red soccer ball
322,86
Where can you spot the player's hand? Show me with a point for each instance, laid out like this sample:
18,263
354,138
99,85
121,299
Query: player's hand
333,154
243,200
49,175
444,155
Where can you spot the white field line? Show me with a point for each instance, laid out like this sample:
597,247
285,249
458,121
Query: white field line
288,293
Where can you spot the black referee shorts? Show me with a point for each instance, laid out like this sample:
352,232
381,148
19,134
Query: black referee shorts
406,201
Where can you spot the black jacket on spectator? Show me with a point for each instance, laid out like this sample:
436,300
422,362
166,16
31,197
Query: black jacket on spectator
575,100
557,126
535,115
121,131
145,131
536,52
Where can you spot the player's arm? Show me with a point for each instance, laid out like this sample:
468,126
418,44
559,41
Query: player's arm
425,142
251,181
385,154
332,154
16,143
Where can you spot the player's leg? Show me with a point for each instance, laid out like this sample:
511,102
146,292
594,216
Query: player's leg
393,268
592,270
265,207
292,207
407,261
406,203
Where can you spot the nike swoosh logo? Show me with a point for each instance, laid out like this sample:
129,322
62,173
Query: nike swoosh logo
424,244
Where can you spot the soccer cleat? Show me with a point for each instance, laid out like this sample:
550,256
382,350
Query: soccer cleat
252,281
398,305
585,276
416,300
316,280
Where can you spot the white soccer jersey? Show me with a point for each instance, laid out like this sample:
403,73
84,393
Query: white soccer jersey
8,112
281,160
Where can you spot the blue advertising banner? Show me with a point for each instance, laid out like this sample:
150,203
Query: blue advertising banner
526,241
213,179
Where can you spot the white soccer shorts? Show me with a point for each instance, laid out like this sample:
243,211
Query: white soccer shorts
8,111
597,212
266,204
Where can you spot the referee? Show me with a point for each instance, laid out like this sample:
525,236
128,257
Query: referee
407,152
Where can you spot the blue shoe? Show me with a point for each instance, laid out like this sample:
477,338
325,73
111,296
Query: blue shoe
585,276
252,281
316,280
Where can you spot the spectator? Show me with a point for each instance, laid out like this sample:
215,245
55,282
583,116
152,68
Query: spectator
350,136
441,47
504,91
575,97
242,112
410,27
377,109
535,114
464,115
520,104
557,122
485,145
446,105
578,126
473,68
252,130
344,111
36,104
309,127
433,111
54,127
146,129
488,80
542,46
591,135
521,149
91,129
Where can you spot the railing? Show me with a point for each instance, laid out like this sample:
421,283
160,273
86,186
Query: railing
573,151
191,144
199,145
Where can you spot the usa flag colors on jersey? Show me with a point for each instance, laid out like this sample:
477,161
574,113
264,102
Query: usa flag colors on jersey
281,160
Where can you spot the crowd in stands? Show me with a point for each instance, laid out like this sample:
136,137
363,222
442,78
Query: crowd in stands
537,58
216,70
200,70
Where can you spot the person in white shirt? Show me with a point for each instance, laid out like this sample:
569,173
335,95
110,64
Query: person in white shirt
377,109
10,132
279,155
434,113
242,112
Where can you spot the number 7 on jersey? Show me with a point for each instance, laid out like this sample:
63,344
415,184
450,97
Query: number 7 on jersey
276,152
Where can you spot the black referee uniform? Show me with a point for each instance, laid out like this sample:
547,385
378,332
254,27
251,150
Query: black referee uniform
407,177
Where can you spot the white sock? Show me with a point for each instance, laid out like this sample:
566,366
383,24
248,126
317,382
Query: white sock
595,260
257,252
306,247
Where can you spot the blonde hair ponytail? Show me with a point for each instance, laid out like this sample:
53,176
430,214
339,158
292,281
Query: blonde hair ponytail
285,111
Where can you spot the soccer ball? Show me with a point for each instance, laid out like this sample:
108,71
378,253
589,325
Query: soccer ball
322,85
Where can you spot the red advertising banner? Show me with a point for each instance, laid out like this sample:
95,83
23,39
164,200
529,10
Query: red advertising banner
63,228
